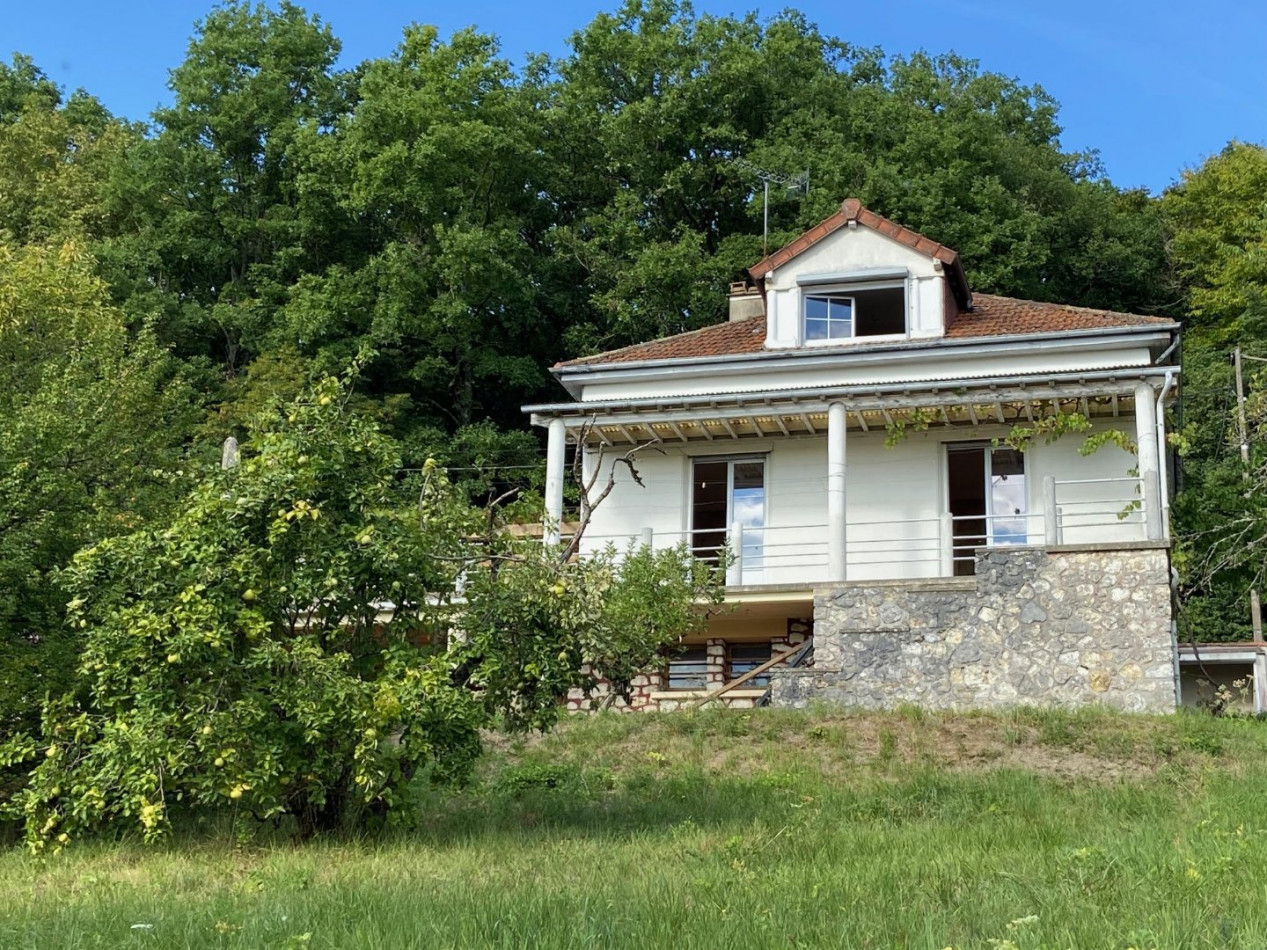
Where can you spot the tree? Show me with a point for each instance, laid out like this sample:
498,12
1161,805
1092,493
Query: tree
87,416
439,167
211,202
1217,225
56,166
290,641
658,114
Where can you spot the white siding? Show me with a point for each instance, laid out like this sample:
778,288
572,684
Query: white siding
896,501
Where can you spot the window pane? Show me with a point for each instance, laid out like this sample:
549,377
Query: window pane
828,317
840,308
1007,497
748,508
688,669
748,656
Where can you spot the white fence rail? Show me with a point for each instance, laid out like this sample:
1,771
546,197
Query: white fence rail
1073,511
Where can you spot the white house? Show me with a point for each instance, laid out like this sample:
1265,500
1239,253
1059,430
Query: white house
846,433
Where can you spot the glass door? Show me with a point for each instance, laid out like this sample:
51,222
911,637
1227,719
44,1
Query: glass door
726,492
987,500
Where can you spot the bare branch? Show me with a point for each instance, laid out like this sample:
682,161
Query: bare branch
590,502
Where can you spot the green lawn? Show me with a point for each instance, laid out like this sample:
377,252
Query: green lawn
759,829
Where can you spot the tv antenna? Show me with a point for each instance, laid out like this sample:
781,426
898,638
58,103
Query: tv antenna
796,185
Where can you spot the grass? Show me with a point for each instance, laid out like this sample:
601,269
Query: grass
736,829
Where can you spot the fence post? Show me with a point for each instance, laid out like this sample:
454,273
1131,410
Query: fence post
646,538
734,573
946,530
1051,528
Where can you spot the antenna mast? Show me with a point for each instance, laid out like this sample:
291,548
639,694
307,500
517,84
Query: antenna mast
796,185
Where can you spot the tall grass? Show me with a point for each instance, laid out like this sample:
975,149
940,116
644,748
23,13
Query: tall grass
729,829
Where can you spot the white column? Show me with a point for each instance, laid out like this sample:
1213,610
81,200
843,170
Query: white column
1146,441
836,423
556,447
1051,523
734,570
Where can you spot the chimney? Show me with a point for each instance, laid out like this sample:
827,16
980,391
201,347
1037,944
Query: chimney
745,302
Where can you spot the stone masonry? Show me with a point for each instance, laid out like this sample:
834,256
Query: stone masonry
1061,626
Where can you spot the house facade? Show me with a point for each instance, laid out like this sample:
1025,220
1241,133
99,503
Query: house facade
899,469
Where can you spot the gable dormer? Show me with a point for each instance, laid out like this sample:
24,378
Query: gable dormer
859,277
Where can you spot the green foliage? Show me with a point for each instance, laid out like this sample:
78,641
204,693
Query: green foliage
903,424
1218,242
55,170
289,642
214,233
90,419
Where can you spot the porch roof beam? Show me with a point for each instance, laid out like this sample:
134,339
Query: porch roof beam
1056,393
1117,380
1053,395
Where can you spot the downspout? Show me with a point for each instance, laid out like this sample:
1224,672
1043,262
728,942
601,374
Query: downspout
1162,477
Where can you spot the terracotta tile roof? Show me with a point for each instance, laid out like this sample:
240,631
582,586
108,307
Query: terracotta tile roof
851,209
995,316
720,339
990,316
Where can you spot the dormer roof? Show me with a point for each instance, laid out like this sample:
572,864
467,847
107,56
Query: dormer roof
852,213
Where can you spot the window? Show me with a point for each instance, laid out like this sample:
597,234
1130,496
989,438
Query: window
688,668
859,312
723,492
987,500
745,657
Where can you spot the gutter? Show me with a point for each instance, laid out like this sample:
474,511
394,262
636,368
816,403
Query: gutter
768,398
910,346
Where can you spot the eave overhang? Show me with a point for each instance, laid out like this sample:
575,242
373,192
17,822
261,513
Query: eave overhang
1003,400
1155,336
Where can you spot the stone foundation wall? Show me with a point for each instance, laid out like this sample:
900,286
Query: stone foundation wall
1066,626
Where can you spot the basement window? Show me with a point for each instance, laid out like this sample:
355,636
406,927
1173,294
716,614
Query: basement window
745,657
688,668
832,316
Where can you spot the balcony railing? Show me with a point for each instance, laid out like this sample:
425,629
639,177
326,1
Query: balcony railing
1074,511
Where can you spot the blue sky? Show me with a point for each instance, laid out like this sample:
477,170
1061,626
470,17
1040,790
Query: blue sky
1155,86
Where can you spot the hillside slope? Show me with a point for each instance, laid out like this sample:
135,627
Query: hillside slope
759,829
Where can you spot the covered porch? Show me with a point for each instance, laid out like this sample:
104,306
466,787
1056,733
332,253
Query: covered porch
813,487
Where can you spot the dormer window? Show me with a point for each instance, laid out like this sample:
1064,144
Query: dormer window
846,313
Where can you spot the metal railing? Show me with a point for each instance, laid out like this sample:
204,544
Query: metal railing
1085,510
1073,511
